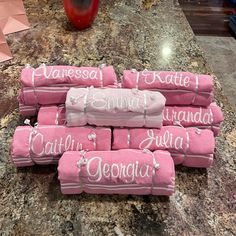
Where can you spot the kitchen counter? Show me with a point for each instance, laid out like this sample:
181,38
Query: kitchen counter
127,34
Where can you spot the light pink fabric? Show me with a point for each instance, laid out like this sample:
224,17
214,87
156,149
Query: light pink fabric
45,144
179,88
111,172
114,107
61,75
188,146
188,116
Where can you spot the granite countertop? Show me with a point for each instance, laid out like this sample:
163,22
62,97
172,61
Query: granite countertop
127,34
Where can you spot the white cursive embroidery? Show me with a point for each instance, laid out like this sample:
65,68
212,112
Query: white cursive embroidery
53,73
196,117
177,78
40,147
97,169
166,141
99,100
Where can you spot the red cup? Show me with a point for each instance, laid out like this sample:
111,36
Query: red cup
81,13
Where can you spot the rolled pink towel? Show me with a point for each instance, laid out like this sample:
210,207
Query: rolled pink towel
114,107
60,75
188,116
190,147
45,144
179,88
48,85
111,172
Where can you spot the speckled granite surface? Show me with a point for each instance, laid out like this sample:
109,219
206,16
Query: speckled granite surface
140,34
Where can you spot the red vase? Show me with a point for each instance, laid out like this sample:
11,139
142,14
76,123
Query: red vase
81,13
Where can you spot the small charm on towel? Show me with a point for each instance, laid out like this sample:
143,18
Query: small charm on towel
134,91
82,161
91,136
178,123
27,122
27,66
156,165
102,65
74,100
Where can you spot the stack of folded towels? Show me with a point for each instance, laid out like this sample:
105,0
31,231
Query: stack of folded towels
112,138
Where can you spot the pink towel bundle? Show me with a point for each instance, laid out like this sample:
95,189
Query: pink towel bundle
117,172
45,144
179,88
68,75
190,147
142,160
114,107
188,116
48,85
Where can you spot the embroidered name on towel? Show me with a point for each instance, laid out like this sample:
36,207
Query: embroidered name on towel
100,100
165,141
198,117
177,78
41,147
49,72
97,170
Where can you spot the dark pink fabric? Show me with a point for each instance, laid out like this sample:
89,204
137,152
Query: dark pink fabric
188,146
111,172
43,95
78,76
48,85
179,88
52,115
45,144
191,116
